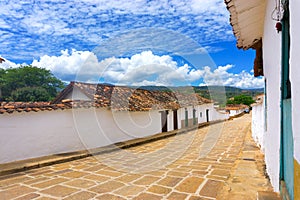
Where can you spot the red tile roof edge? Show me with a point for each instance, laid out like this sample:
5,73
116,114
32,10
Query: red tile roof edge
117,98
11,107
236,107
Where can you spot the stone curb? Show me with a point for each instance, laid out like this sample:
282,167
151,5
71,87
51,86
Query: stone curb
33,163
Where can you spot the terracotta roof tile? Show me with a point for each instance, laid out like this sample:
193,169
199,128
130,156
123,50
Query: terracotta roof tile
117,98
126,98
10,107
236,107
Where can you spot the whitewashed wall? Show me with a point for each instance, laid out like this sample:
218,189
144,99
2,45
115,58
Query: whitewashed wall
232,113
272,71
201,112
99,127
170,121
28,135
295,73
36,134
216,115
235,112
76,94
213,114
258,124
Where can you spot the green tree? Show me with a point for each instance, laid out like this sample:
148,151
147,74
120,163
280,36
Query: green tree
2,81
229,101
15,82
241,99
30,94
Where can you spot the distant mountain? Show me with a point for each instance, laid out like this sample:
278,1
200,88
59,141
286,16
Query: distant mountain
206,89
230,91
220,94
154,88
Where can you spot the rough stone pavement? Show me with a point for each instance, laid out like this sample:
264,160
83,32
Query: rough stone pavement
220,161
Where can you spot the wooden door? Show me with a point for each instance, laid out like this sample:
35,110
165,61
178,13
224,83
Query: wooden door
164,121
175,119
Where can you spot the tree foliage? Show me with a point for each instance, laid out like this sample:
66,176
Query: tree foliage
241,99
30,94
28,83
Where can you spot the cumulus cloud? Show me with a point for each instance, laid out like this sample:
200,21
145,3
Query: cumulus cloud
143,68
8,64
68,63
221,76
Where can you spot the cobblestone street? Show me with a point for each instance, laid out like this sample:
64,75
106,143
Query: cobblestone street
219,161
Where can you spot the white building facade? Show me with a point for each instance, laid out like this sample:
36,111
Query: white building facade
277,58
36,132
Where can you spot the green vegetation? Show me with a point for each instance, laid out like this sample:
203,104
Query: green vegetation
221,94
28,83
241,99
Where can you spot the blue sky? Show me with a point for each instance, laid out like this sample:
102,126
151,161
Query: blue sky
142,42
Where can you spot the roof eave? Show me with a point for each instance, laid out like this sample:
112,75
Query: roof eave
246,21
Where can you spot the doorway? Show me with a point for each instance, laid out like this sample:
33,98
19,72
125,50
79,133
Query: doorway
287,142
207,115
175,119
164,121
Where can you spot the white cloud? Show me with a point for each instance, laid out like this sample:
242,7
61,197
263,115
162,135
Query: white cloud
8,64
68,63
41,27
221,76
163,6
143,68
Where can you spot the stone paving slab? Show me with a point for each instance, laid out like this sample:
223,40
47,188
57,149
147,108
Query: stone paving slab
214,162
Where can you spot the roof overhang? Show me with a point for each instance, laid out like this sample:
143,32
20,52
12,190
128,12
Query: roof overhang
247,20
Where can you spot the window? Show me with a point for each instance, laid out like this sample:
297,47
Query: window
200,114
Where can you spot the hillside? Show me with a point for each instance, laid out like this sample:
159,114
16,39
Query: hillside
220,94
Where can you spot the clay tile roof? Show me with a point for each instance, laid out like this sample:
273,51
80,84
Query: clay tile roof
123,98
10,107
236,107
117,98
